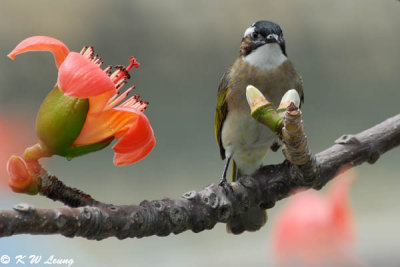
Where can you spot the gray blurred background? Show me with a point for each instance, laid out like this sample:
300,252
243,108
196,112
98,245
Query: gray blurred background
346,51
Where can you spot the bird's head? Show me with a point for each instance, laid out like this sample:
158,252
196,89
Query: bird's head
262,33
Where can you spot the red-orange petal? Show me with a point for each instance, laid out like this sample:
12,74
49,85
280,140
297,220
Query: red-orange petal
97,103
121,159
42,43
79,77
136,143
103,125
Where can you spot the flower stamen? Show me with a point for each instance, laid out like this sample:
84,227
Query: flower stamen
116,75
132,63
108,70
115,102
135,103
88,52
120,84
83,49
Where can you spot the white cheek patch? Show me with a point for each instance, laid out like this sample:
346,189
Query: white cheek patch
249,31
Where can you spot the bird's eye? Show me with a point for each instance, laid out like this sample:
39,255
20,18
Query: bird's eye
254,35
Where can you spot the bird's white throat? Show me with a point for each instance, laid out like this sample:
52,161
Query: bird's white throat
268,56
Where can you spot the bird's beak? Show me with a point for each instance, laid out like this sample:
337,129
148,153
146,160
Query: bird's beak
272,38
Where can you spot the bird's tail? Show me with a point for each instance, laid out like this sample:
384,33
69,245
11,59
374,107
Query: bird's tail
251,221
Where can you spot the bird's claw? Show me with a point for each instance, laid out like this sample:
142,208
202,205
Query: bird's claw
222,182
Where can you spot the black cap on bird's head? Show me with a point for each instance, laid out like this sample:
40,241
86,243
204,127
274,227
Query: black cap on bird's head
260,33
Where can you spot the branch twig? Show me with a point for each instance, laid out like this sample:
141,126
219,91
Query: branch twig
50,187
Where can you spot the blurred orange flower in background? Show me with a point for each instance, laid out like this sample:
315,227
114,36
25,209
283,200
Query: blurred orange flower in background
14,138
316,229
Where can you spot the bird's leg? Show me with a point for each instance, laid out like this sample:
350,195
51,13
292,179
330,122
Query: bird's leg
222,181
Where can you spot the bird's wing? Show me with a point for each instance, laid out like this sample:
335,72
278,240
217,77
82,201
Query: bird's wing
221,110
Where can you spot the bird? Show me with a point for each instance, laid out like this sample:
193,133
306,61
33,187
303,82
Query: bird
263,63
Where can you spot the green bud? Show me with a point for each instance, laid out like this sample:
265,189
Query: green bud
60,120
75,151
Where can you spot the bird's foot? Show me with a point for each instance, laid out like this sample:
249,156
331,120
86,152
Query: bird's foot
222,181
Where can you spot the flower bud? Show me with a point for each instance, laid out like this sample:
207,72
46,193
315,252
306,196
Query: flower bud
60,120
21,179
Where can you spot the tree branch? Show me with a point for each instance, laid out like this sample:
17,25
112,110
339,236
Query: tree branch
50,187
201,210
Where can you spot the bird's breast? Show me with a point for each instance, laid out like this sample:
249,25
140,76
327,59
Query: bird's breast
246,140
241,131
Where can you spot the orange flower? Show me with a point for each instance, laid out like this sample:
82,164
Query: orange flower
84,112
317,230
